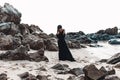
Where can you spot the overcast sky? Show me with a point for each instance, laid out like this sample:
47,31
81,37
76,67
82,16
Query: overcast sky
74,15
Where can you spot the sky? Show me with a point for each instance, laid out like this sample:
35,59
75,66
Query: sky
88,16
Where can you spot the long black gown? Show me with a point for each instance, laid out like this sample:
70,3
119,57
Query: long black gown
64,52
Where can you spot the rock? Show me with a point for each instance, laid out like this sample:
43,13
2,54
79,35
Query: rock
35,29
23,28
27,76
73,45
71,78
103,60
60,66
114,41
3,76
114,59
101,32
112,78
103,69
9,28
92,73
117,65
112,31
42,77
76,71
35,42
9,14
38,56
21,53
51,44
5,42
24,75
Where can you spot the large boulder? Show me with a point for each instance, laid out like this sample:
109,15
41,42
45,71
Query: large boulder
92,73
7,42
21,53
9,14
35,42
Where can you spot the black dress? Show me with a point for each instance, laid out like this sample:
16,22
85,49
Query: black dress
64,52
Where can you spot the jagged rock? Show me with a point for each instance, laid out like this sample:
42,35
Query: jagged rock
60,66
21,53
76,71
38,56
9,14
92,73
3,76
114,59
112,78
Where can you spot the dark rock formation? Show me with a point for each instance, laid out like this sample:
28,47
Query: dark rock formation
50,44
117,65
27,76
109,31
21,53
38,56
76,71
92,73
114,59
35,42
9,14
3,76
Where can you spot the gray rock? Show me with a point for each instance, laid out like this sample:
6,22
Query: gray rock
92,73
3,76
76,71
9,14
60,66
114,59
38,56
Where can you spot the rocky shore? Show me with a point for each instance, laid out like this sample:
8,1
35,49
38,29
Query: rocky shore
23,53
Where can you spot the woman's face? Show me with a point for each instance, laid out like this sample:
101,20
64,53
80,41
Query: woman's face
60,30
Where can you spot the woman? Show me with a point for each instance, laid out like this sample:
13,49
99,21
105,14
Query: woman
64,52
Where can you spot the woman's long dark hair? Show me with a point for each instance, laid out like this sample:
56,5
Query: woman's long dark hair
59,27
